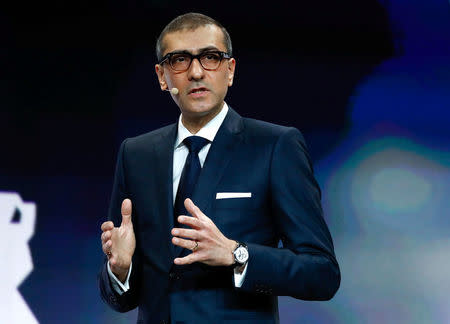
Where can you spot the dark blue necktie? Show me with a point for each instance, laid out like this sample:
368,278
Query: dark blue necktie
189,174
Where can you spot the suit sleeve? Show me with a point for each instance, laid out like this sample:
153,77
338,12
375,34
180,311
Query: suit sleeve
129,299
306,266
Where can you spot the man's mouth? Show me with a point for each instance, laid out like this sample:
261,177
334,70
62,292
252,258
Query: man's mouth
198,90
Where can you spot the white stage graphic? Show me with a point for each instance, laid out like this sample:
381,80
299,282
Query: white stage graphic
17,227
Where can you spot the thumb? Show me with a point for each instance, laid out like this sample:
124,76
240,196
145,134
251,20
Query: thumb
126,212
192,208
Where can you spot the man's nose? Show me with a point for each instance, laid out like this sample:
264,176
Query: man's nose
196,70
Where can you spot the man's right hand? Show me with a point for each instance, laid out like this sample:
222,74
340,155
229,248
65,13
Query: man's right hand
119,243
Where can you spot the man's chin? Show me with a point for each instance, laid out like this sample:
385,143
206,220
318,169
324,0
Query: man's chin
199,111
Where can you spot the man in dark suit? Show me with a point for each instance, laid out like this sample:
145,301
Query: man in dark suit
203,204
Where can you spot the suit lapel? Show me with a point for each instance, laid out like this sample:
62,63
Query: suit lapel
164,148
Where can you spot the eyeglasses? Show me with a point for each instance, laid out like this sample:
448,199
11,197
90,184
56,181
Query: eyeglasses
181,62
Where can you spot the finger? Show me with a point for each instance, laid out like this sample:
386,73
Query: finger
126,211
187,244
190,221
188,259
193,209
186,233
106,226
106,236
106,247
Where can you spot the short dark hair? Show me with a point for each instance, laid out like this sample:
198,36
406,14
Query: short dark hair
191,21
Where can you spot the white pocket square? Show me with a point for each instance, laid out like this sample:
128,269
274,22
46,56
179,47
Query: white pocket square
227,195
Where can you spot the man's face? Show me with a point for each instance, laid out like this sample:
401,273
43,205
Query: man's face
213,85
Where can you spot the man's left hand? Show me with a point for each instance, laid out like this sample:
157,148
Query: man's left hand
204,239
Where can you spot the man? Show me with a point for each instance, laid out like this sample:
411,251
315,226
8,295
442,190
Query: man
201,216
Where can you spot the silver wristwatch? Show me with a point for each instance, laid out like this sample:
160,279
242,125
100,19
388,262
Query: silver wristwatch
240,254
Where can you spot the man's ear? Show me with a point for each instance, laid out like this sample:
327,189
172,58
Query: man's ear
160,73
231,68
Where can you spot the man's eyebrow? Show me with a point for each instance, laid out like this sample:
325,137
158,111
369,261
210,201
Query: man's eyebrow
201,50
208,48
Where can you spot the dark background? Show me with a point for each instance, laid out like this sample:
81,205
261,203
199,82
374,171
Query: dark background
74,71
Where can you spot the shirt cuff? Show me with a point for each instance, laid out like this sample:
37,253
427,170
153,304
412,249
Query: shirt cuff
119,287
239,276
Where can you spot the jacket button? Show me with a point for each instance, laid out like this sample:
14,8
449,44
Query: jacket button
174,276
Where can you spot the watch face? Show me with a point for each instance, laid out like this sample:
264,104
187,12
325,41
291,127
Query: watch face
241,254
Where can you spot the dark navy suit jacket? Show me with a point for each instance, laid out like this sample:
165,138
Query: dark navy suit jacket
247,155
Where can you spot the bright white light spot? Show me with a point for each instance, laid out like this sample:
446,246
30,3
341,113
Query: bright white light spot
396,190
394,182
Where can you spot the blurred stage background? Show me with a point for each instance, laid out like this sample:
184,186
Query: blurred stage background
367,82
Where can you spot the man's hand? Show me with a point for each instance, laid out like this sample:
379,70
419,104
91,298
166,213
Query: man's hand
204,239
119,243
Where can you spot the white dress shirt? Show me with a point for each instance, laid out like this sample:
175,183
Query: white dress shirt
181,152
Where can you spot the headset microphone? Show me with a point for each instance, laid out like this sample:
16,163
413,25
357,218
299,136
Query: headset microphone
173,91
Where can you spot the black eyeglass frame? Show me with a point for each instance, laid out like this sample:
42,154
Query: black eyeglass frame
223,55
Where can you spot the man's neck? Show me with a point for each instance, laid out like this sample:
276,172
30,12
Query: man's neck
194,123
